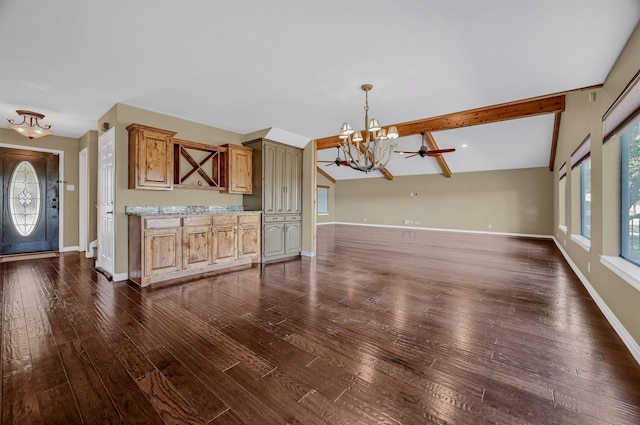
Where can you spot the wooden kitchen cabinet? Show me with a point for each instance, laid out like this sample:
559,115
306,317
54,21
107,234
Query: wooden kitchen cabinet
150,158
239,169
225,237
162,248
249,230
197,250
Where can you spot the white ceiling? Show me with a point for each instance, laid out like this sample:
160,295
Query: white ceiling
298,65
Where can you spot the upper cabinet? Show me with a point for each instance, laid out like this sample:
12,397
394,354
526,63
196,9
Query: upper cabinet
282,172
150,158
239,169
159,161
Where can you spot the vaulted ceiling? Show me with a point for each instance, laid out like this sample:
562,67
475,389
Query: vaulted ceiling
297,66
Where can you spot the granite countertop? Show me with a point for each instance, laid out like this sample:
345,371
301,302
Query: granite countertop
155,210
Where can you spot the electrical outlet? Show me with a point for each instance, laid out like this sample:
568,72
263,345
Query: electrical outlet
489,226
365,220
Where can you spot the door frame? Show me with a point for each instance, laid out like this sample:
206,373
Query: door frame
61,187
83,203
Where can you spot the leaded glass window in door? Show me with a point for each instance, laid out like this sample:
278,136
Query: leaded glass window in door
24,198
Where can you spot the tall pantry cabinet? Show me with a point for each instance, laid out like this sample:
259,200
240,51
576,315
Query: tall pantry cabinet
277,191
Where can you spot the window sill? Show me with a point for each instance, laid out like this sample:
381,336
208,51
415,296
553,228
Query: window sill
582,241
628,271
563,229
323,213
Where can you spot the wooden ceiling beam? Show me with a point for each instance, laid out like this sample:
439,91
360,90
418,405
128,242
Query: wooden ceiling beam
485,115
326,175
554,140
432,145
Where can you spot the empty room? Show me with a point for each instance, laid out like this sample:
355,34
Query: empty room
364,212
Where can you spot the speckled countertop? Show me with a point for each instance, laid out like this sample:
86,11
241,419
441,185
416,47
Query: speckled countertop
150,210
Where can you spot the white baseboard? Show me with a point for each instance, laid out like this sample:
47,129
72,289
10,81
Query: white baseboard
435,229
308,254
69,248
119,277
622,332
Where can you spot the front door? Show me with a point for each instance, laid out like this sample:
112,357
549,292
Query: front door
29,201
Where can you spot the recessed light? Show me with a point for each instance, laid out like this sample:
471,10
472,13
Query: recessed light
464,145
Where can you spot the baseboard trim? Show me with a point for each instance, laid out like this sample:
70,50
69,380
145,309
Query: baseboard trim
119,277
436,229
622,332
308,254
69,248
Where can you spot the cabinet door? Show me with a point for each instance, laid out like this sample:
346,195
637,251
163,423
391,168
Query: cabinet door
150,158
225,246
239,169
162,251
293,181
269,169
273,236
249,240
293,237
196,247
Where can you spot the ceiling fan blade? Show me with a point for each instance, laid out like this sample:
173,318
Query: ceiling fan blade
411,156
405,152
321,160
437,152
330,164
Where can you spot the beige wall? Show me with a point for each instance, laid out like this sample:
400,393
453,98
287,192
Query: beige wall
70,148
331,203
89,141
122,116
511,201
581,118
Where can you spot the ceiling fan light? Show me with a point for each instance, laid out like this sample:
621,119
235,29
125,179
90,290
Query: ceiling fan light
383,134
392,133
374,125
357,136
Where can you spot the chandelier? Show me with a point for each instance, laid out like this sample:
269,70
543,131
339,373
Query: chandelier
373,151
30,126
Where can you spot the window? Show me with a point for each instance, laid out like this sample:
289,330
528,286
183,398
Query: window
563,199
323,200
581,172
630,192
585,198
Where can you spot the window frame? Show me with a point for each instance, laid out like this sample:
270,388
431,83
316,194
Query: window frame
326,199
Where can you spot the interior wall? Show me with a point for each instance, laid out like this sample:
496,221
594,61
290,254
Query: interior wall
331,203
121,117
582,117
90,141
309,200
509,201
71,150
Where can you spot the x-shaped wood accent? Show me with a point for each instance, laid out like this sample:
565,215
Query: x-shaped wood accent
197,166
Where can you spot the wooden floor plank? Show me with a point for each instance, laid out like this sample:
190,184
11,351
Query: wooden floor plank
416,327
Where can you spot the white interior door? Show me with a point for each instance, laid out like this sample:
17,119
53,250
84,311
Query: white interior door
106,178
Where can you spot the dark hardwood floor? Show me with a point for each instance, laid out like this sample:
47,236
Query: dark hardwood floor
384,326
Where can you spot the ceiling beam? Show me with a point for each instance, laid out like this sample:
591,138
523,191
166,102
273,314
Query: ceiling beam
485,115
326,175
554,140
432,145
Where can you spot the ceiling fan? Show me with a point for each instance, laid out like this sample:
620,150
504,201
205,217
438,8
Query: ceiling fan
338,161
425,151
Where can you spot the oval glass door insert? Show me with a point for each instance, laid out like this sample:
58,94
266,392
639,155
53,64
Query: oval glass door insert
24,198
